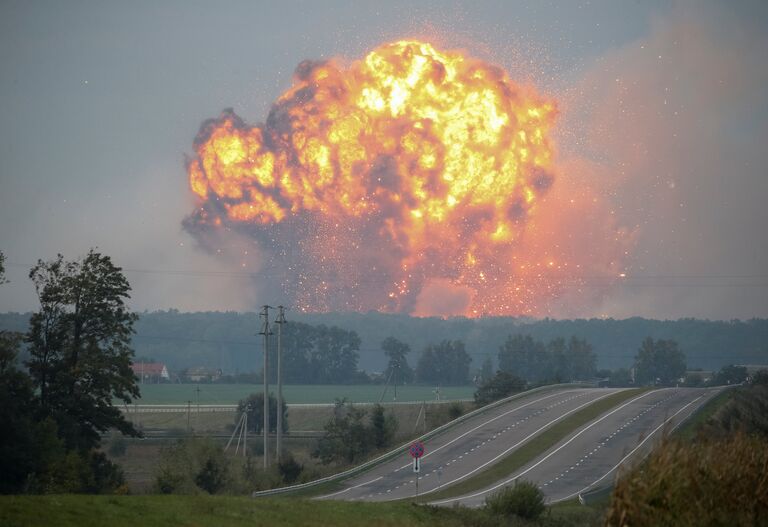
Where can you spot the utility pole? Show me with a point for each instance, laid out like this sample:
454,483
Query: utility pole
197,417
280,320
266,332
395,371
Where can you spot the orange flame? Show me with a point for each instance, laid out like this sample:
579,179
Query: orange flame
412,166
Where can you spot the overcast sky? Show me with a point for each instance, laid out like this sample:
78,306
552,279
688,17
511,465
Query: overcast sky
664,109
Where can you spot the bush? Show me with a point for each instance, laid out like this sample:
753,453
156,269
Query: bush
501,385
524,499
455,410
289,469
699,484
212,476
192,465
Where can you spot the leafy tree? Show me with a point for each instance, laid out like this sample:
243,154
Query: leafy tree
28,447
383,427
347,439
561,369
659,362
80,347
397,366
317,355
525,357
582,360
254,405
444,363
731,375
486,371
501,385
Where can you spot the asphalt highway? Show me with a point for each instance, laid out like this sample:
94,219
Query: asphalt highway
590,456
469,447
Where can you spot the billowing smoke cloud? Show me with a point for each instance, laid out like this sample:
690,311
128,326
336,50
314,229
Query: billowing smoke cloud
413,180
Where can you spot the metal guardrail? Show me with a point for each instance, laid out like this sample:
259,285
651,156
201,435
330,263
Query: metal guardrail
400,449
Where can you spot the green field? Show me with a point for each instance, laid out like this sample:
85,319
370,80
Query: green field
224,511
293,393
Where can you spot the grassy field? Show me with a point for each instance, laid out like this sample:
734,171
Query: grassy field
224,511
294,393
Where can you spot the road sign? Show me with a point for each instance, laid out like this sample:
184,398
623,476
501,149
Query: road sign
416,465
416,449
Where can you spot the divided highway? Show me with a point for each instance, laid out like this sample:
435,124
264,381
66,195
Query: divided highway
589,457
468,448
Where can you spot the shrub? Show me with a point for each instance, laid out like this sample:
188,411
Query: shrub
212,476
192,465
501,385
524,499
455,410
289,469
699,484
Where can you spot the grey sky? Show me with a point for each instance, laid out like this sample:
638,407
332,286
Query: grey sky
99,101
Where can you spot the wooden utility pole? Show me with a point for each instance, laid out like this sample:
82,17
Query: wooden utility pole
280,320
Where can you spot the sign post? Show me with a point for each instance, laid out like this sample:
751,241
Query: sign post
416,450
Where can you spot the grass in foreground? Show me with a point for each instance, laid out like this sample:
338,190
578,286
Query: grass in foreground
536,446
204,511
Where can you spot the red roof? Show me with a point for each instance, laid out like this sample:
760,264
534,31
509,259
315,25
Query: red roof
148,368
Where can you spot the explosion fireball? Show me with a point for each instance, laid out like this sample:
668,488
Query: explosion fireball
402,182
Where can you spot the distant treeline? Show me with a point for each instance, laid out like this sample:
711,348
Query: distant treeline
229,341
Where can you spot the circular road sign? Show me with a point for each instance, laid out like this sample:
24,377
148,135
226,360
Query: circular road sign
416,449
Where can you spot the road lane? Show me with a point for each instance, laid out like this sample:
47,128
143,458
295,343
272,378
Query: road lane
464,450
591,455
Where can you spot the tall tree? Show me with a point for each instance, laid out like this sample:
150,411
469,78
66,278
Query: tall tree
446,363
254,405
80,347
335,355
347,438
582,359
560,365
486,371
397,366
524,357
659,362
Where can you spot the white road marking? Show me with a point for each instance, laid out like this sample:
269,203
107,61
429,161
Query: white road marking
542,460
632,452
529,436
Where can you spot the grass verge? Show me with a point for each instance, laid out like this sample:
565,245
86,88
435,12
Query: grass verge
201,511
537,446
690,427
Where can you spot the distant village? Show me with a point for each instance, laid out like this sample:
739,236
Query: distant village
157,372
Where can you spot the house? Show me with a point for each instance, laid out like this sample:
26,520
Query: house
150,372
201,374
